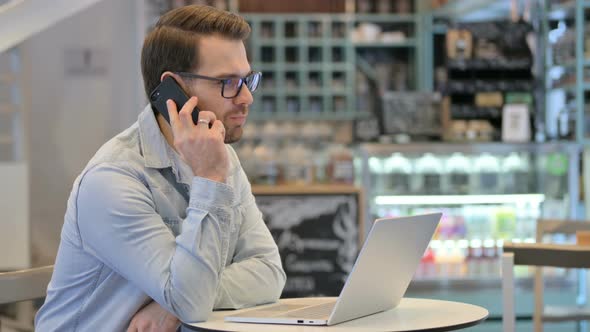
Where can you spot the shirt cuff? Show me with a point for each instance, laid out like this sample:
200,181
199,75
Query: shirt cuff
211,193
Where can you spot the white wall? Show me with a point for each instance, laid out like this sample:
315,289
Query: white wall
72,116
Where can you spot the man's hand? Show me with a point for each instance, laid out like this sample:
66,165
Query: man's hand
203,148
153,318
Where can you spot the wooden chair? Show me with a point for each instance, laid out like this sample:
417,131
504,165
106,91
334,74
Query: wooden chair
19,286
543,254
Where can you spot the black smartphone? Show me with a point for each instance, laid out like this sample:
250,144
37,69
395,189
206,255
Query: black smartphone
170,89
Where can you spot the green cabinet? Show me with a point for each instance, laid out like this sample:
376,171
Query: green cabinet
307,64
314,68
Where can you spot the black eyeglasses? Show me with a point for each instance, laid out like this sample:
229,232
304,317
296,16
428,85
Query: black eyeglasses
230,87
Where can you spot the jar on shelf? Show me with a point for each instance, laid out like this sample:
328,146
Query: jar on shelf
268,168
247,159
457,170
486,175
299,165
428,175
340,165
267,164
515,174
378,176
554,168
398,169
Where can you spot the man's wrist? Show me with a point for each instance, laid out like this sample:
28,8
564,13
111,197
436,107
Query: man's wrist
212,177
211,192
219,179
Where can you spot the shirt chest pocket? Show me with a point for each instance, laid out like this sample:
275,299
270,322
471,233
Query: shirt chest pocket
170,207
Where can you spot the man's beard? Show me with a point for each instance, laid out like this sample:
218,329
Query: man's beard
233,135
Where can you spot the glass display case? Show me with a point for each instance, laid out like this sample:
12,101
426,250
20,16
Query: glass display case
489,193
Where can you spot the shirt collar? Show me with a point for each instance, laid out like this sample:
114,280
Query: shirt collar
157,153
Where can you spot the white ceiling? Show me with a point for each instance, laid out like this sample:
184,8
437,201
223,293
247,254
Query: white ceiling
20,19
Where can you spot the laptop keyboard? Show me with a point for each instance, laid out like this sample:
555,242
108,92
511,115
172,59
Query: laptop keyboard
315,312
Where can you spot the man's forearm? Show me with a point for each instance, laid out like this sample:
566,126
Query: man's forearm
250,282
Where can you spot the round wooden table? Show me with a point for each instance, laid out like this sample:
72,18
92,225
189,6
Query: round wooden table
410,315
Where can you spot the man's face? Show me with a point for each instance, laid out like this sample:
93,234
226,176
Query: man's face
222,58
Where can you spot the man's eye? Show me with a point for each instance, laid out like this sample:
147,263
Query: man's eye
233,82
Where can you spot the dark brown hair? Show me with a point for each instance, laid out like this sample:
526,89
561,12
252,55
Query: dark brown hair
173,43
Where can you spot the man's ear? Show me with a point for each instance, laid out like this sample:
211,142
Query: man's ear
176,77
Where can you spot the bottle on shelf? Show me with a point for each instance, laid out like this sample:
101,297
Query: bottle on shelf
490,259
478,221
505,223
310,135
455,258
473,261
427,267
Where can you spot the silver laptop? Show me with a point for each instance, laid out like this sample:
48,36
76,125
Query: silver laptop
378,280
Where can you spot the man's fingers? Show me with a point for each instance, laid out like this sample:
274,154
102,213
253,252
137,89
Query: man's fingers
186,112
203,123
207,115
218,127
172,112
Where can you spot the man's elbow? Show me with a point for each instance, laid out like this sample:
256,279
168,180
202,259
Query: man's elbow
191,310
281,280
192,315
194,318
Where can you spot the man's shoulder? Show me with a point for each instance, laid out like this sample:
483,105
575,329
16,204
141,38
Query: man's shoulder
122,151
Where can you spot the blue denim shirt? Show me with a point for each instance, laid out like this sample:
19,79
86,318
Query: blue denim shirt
140,226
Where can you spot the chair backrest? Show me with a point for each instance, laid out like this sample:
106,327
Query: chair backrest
24,285
557,226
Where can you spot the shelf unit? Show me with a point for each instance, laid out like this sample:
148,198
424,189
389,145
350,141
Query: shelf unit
319,71
569,16
307,66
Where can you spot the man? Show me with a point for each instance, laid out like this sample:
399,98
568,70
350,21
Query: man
164,212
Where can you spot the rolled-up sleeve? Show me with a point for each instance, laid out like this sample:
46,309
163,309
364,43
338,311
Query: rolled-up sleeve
118,224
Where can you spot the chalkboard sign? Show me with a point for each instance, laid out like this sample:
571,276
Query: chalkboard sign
317,230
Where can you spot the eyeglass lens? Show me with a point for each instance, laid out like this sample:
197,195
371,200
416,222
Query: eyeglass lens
232,86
